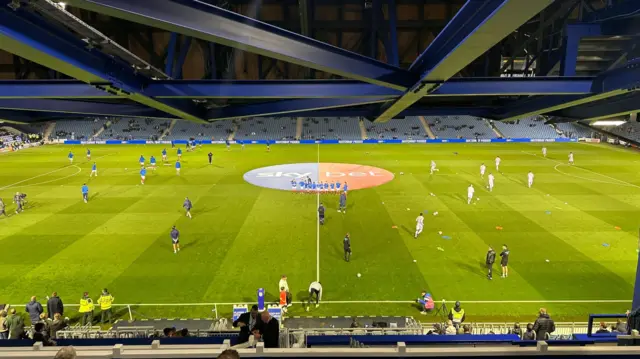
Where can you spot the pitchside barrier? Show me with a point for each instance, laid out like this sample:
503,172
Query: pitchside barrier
330,142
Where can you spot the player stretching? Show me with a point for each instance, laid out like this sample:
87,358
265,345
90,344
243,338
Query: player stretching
143,174
187,206
152,163
343,202
544,152
88,154
483,168
164,155
175,239
85,193
178,166
498,160
141,160
571,158
94,170
419,225
504,261
70,157
530,179
491,179
470,191
433,167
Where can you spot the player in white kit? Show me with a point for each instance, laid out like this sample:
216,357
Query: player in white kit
544,151
433,166
530,179
491,181
483,168
419,225
498,160
470,191
570,158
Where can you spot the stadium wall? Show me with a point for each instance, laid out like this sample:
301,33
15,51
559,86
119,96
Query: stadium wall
326,142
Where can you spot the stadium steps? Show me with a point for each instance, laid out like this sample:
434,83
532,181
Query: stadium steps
558,131
232,135
363,130
168,130
494,128
426,127
299,128
49,129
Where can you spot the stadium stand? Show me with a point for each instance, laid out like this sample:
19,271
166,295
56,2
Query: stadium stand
460,127
134,129
271,129
77,129
630,130
408,128
339,128
572,130
185,130
531,127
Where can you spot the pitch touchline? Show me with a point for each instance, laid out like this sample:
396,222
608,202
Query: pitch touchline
373,302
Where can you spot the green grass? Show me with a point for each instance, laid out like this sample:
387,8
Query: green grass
244,237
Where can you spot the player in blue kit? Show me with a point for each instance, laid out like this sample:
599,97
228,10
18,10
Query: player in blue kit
326,187
164,155
226,142
70,157
88,154
268,147
178,166
293,185
142,160
302,186
94,170
143,174
338,185
314,185
152,163
85,193
332,187
345,188
179,154
175,239
187,206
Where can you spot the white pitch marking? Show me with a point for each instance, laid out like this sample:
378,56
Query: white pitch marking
44,174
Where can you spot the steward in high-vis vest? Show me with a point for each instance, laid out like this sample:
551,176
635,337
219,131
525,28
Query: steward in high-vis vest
105,302
457,315
86,309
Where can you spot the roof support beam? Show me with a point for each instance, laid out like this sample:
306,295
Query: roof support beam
287,107
598,110
81,107
477,27
200,20
226,89
26,35
574,33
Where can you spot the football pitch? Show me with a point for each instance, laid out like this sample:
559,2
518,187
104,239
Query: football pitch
573,236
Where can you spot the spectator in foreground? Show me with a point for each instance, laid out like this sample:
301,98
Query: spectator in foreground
466,329
268,330
246,322
41,335
66,353
621,326
603,329
4,332
450,329
229,354
354,323
54,305
34,309
15,325
57,325
544,325
529,334
516,330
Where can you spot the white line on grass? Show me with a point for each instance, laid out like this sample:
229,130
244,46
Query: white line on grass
318,225
44,174
541,301
620,182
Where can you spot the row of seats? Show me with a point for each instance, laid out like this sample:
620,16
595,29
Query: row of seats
337,128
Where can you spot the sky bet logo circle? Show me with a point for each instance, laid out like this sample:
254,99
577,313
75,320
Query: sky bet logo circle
356,176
